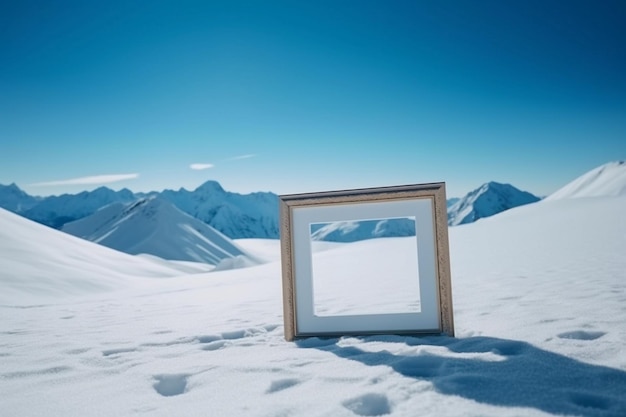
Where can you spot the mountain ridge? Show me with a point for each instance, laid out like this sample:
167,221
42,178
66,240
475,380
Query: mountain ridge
155,226
487,200
255,215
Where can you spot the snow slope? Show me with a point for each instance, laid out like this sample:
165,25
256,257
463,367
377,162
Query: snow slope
540,306
606,180
355,230
37,262
489,199
154,226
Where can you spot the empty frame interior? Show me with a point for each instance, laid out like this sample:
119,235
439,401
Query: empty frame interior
366,261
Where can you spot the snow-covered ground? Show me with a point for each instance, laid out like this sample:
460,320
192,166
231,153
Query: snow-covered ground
351,280
540,313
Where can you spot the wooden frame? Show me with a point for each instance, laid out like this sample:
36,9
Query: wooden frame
426,203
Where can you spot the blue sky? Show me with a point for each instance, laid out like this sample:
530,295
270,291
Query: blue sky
290,96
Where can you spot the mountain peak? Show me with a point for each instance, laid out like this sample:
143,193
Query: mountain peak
13,198
488,199
153,225
210,186
494,184
13,187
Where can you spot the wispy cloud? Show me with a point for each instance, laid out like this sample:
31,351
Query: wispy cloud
246,156
199,167
95,179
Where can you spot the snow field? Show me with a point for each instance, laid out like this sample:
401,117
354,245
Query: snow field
540,305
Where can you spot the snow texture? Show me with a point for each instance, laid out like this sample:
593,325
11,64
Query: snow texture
540,305
39,262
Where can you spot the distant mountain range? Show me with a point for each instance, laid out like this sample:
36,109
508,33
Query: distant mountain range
55,211
352,231
197,225
235,215
12,198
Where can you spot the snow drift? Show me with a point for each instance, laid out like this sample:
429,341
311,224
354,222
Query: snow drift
39,262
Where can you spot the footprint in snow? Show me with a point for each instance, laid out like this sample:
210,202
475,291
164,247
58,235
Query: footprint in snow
117,351
170,385
282,384
216,345
369,405
218,341
581,335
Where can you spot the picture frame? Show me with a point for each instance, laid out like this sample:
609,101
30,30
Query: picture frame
345,274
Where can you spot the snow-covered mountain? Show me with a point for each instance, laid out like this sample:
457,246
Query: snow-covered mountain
235,215
154,226
352,231
43,262
606,180
55,211
489,199
255,215
14,199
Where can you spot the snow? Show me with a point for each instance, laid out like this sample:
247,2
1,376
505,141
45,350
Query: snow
55,211
339,287
540,305
39,262
606,180
353,230
154,226
489,199
236,215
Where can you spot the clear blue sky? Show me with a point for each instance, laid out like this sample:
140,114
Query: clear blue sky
298,96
